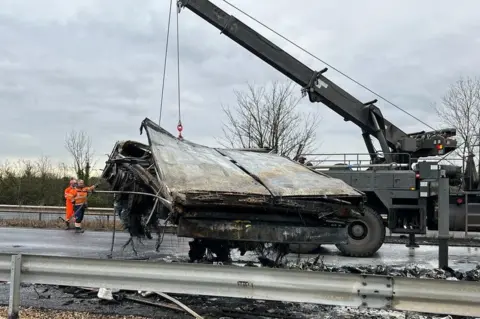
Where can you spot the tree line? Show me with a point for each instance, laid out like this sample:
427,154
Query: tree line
40,183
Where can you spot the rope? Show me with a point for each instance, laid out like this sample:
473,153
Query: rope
165,61
179,126
329,65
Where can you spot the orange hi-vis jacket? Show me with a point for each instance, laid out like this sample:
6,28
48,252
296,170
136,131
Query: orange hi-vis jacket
81,194
69,194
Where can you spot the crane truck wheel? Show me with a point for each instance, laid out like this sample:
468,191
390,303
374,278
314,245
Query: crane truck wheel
365,235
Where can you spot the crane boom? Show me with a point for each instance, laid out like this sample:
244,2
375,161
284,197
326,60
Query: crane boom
394,142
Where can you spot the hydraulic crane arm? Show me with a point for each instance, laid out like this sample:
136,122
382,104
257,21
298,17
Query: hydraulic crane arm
367,116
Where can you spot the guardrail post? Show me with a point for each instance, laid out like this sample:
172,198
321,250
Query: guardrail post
14,300
443,219
40,216
466,214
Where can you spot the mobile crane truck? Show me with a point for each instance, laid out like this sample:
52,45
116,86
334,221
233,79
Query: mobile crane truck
397,182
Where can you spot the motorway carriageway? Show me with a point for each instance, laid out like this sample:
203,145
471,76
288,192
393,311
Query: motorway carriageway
46,216
92,244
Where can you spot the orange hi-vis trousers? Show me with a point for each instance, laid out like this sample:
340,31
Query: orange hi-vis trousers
68,210
70,194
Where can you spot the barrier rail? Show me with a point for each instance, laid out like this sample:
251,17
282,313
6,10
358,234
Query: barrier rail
370,291
49,209
53,210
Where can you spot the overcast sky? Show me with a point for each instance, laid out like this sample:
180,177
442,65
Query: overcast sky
97,65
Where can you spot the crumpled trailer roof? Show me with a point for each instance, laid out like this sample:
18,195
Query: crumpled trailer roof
189,168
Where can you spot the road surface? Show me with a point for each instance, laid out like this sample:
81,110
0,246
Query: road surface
97,245
49,217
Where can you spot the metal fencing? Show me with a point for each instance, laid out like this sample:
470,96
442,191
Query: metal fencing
368,291
468,211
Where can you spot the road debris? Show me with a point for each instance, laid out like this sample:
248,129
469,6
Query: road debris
116,296
151,303
106,293
411,271
180,306
190,311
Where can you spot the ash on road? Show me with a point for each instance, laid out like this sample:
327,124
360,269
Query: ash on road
97,245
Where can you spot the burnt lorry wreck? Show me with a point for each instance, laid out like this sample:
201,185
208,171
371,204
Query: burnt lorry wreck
227,198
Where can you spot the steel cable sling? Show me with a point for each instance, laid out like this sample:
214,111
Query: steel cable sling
179,125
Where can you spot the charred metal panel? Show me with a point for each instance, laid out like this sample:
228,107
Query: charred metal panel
188,167
284,177
244,230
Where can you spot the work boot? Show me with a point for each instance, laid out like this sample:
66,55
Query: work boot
78,230
67,225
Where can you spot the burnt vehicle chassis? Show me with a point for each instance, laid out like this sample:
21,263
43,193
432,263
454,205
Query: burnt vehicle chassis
221,214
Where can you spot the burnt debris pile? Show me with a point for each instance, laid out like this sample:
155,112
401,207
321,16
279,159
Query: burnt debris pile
412,271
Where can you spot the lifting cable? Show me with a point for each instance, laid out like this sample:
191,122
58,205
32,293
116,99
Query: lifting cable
165,62
179,125
329,65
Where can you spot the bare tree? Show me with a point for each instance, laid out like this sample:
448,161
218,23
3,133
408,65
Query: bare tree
267,117
79,145
44,167
460,108
63,170
27,168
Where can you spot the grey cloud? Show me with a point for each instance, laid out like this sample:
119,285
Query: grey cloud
97,65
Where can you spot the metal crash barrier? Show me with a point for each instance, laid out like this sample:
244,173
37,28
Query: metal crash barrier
368,291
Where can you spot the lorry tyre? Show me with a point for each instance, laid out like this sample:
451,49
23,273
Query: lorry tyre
365,235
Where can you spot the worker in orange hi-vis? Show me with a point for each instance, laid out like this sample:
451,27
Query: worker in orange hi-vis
69,195
81,194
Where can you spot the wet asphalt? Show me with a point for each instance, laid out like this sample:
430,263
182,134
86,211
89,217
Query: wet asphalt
97,245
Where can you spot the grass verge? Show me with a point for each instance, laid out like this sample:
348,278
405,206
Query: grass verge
33,313
91,223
